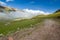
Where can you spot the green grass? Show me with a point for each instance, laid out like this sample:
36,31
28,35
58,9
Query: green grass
54,15
26,23
15,25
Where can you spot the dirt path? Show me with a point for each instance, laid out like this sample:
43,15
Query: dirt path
49,30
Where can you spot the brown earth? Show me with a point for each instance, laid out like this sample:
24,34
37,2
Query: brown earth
49,30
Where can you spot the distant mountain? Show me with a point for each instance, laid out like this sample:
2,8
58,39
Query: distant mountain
8,13
6,9
57,11
56,14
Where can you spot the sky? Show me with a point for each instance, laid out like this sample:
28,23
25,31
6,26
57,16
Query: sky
44,5
31,8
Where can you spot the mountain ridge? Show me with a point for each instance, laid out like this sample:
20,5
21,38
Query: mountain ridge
57,11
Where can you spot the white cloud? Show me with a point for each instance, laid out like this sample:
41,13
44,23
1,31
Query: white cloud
2,3
32,2
4,16
35,12
9,0
25,13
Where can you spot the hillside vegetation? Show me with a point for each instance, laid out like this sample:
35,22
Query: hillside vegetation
9,27
55,15
12,26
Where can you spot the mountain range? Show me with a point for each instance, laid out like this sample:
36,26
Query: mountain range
8,13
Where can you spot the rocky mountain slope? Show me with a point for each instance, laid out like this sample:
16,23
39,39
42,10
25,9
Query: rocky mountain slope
7,13
6,9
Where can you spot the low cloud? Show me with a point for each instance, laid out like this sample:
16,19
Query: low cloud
35,12
9,0
4,16
2,3
23,14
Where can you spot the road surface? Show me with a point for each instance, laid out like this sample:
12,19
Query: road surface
49,30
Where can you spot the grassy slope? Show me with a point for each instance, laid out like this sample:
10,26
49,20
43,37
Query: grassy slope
6,27
55,15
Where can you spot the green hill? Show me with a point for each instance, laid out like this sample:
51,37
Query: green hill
12,26
55,15
57,11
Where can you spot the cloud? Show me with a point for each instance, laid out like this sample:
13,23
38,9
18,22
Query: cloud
32,2
4,16
9,0
2,3
35,12
24,14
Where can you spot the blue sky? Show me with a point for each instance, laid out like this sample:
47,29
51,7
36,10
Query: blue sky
45,5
